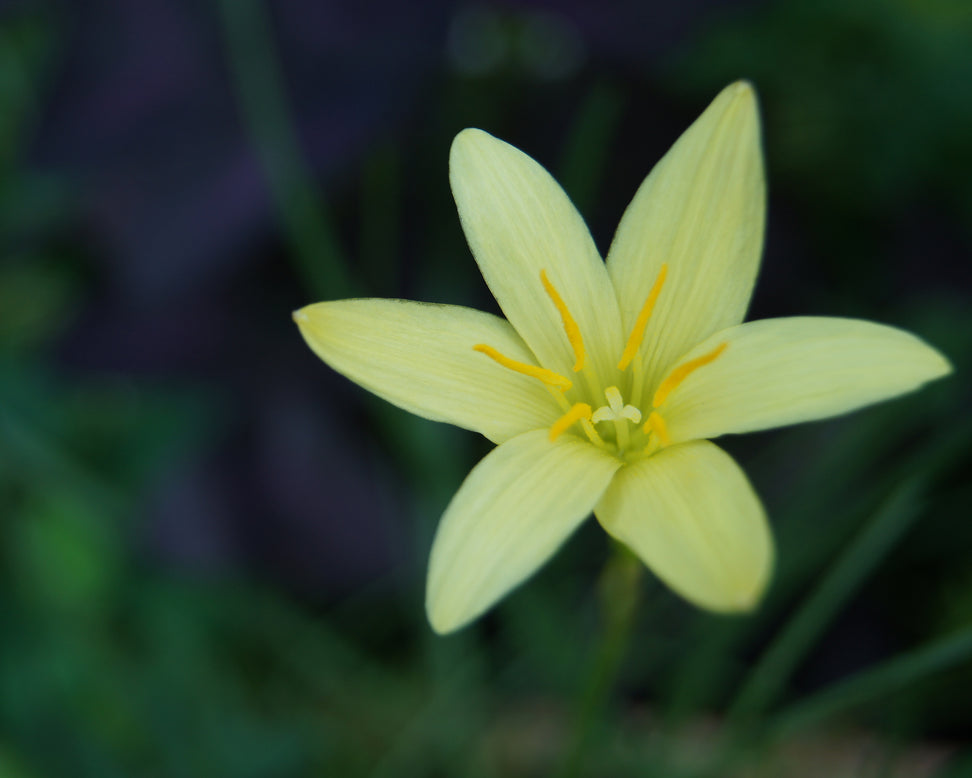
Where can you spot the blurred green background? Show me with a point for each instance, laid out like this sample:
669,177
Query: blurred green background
212,548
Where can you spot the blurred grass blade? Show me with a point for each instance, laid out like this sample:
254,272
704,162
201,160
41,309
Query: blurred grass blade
380,217
588,144
886,527
259,83
823,485
767,679
885,679
41,460
24,47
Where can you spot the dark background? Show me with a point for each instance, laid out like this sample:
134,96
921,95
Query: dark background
212,547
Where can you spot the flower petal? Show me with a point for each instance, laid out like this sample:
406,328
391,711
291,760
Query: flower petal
691,515
518,222
510,515
701,212
784,371
420,357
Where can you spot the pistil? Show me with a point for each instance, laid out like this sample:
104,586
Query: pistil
619,413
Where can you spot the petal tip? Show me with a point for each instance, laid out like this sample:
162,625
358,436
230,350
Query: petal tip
743,98
943,366
468,137
439,627
742,89
300,316
739,602
928,363
748,601
738,102
442,622
731,600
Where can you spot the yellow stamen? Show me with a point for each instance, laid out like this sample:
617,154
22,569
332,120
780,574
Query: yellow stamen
570,326
682,372
549,377
558,397
591,432
638,331
575,414
657,425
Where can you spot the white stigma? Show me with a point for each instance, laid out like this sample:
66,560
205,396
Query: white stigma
616,410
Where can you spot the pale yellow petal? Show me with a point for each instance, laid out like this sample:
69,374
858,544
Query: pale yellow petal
701,212
691,515
511,514
784,371
420,357
519,222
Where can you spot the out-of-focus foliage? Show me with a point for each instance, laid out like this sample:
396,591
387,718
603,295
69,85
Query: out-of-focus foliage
212,550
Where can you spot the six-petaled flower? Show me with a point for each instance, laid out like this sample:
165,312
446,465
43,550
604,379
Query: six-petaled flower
607,378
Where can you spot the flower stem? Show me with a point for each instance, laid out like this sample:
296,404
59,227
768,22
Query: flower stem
618,593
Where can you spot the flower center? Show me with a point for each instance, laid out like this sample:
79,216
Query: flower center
615,417
618,413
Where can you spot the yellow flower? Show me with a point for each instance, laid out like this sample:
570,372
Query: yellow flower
606,379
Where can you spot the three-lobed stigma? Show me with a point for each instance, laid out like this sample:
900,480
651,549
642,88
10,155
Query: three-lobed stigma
616,410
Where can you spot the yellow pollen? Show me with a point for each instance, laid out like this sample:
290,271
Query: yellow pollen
682,372
570,326
657,425
549,377
578,412
638,331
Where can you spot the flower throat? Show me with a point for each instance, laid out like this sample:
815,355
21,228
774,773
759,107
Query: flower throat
624,429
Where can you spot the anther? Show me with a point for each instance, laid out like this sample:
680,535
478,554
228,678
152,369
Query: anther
549,377
638,331
570,326
657,425
578,412
682,372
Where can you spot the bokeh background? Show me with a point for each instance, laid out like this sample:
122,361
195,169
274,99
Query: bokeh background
212,547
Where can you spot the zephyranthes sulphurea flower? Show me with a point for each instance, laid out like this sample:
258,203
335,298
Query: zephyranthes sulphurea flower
604,383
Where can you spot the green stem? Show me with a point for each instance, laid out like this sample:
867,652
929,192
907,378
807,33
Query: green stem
619,593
